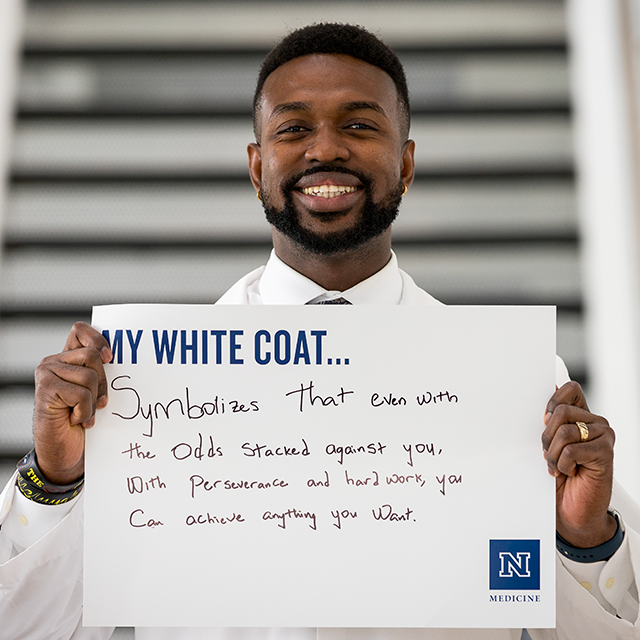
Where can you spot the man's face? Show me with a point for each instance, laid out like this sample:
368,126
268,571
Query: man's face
331,161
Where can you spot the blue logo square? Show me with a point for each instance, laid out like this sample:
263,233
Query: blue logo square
514,564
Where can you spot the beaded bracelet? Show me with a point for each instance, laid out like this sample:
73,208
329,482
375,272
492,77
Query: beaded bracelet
32,484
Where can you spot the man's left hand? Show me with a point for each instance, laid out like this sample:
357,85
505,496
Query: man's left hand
583,470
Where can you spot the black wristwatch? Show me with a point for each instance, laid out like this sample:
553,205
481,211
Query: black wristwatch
593,554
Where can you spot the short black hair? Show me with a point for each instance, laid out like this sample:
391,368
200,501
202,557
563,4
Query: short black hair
336,38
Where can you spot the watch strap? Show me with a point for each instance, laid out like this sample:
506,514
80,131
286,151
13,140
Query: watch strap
593,554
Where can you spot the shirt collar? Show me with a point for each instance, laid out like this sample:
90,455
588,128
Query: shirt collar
280,284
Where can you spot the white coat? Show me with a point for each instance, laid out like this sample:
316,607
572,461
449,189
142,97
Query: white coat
41,546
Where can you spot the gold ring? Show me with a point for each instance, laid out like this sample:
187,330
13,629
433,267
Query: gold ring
259,195
404,189
584,431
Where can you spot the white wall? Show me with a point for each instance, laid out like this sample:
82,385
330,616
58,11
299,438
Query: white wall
11,21
608,218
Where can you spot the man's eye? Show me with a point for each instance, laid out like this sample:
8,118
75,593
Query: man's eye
359,125
294,128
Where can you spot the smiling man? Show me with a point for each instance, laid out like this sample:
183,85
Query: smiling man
331,162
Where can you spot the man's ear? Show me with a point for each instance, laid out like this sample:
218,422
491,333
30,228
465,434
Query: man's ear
255,164
407,171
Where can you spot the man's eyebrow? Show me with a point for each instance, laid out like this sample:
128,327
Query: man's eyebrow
356,105
286,107
359,105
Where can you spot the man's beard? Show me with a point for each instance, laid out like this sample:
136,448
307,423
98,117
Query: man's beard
374,218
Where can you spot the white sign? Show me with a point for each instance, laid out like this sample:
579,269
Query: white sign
322,466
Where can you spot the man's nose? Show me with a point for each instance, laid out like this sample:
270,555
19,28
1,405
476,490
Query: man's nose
327,145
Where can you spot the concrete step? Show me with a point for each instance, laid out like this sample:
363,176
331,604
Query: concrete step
197,212
171,147
40,279
231,25
199,83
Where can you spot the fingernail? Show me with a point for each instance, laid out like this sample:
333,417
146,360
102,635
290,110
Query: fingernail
547,417
102,401
106,354
544,454
551,472
90,422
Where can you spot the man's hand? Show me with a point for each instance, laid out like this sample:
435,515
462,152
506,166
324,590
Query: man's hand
70,386
583,470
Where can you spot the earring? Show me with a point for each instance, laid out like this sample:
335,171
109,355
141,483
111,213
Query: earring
404,189
258,195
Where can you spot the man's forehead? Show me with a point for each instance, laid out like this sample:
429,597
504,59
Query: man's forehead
349,80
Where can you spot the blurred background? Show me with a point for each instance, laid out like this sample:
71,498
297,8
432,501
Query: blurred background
123,133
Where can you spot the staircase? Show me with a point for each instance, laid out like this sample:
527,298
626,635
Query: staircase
129,180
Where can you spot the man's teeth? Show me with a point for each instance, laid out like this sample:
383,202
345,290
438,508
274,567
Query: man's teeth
328,190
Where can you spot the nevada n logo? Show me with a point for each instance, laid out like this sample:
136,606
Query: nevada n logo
514,564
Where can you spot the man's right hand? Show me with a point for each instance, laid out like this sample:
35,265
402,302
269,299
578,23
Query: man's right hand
70,386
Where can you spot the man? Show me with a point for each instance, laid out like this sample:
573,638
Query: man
331,162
